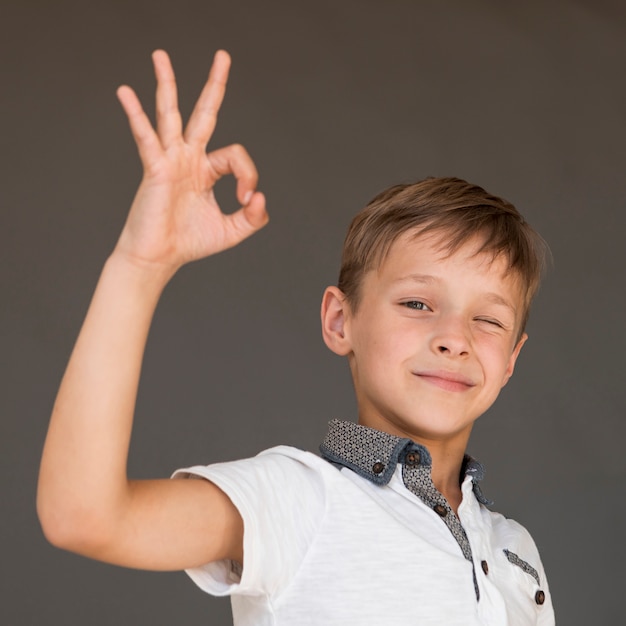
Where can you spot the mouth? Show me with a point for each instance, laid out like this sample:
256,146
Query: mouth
449,381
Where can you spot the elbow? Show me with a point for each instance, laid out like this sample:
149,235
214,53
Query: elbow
73,529
58,529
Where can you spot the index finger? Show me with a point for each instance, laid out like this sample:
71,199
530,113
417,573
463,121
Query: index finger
204,116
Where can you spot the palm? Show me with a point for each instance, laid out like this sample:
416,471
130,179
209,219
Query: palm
175,217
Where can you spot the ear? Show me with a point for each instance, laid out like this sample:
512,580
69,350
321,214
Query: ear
334,314
513,359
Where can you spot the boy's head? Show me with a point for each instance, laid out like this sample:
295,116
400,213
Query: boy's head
456,212
433,296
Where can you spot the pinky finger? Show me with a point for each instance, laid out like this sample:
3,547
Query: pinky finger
146,139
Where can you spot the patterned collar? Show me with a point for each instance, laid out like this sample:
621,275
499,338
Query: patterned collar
374,455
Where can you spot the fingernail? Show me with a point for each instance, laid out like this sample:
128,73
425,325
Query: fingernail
247,197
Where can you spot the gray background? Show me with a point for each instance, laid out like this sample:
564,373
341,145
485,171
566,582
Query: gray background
335,100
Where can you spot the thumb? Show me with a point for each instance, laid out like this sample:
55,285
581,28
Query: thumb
247,220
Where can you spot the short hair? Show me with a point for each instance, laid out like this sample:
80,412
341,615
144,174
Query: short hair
454,208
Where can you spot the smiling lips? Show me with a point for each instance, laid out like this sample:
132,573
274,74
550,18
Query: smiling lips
449,381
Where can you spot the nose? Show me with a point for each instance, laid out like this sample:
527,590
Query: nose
451,337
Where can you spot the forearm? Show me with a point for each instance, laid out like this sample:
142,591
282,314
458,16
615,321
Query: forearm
85,502
83,479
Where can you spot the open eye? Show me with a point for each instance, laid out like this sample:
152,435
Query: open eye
416,305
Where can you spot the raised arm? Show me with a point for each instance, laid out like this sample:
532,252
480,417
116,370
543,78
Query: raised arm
85,501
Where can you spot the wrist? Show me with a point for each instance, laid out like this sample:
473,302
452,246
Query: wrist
149,274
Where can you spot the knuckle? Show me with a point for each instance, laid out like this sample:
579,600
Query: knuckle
238,150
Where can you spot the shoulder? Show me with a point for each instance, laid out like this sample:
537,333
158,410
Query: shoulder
290,456
511,534
282,475
280,462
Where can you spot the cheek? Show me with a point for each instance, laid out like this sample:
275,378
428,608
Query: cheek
495,357
378,351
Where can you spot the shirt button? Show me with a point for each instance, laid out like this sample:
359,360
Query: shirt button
440,510
412,459
540,597
378,467
485,567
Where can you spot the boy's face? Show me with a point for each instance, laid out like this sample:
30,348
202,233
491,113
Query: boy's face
433,340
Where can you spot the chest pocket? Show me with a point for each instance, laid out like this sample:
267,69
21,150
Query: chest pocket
532,581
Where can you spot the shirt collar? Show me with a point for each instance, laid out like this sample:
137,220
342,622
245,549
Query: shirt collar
374,454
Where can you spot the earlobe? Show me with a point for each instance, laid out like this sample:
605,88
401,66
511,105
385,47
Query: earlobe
333,313
513,359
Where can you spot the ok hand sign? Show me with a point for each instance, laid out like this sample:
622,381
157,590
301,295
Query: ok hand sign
175,217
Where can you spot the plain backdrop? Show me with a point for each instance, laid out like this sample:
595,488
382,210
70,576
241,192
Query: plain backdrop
335,100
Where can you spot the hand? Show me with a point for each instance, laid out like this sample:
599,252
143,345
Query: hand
175,217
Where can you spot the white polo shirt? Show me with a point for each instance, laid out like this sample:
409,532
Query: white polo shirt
367,540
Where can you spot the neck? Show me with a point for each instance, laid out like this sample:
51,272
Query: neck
446,469
447,455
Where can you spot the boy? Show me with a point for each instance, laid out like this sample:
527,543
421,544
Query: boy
390,525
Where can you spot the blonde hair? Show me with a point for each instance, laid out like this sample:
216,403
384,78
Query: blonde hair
456,209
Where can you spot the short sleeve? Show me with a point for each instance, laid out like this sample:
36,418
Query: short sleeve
280,496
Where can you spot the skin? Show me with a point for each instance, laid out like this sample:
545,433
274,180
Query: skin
432,342
85,501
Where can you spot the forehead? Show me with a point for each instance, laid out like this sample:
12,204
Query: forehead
426,256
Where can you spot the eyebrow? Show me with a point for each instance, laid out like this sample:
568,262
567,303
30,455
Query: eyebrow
417,278
495,298
426,279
